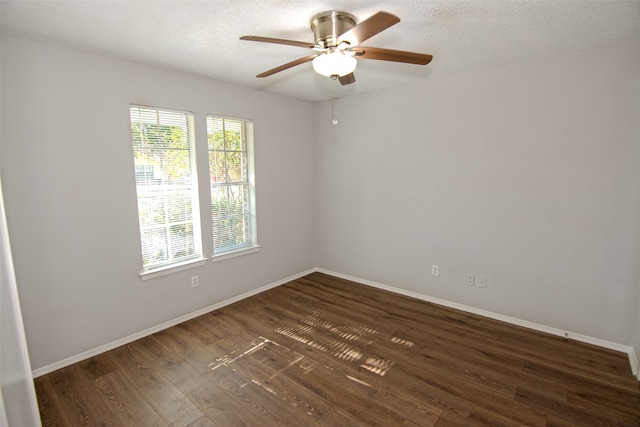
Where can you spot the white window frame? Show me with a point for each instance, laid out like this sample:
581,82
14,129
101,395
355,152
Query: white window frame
247,214
172,263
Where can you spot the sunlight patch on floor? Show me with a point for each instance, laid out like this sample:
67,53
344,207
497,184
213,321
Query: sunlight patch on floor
378,365
401,342
350,343
228,359
344,352
358,381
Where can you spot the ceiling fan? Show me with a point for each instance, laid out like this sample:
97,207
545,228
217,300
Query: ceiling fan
337,43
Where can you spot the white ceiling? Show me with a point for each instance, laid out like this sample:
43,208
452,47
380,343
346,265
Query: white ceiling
202,37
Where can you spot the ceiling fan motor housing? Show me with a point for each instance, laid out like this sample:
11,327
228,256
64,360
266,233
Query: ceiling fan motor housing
327,26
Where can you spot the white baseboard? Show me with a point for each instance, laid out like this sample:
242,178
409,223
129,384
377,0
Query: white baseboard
633,360
126,340
512,320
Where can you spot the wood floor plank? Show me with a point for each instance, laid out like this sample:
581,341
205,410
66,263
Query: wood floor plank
199,332
167,400
351,393
270,401
577,414
150,347
326,351
415,409
52,412
270,367
580,377
172,367
565,355
80,402
125,402
97,366
604,404
338,417
223,409
203,421
189,350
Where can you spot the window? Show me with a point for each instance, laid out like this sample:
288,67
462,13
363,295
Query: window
146,174
231,170
166,184
164,149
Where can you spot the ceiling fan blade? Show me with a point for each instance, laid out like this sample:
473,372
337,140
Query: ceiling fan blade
278,41
347,79
368,28
392,55
287,65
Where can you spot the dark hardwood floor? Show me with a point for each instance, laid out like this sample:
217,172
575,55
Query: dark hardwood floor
325,351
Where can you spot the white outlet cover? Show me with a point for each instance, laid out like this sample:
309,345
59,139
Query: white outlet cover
482,281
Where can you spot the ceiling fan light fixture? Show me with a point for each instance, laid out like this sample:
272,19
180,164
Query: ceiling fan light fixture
335,63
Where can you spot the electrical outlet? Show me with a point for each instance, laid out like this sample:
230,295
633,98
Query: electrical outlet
470,280
435,270
194,281
482,281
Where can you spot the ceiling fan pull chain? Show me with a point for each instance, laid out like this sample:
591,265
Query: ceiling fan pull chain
333,116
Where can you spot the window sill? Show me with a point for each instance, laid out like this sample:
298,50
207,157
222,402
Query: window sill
236,253
173,268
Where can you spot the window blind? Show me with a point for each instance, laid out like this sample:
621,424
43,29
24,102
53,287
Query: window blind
166,185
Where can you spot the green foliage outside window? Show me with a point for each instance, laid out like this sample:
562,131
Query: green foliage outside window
230,199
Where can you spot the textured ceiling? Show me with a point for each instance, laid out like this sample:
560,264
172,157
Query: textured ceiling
202,37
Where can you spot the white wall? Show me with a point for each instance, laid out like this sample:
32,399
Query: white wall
636,336
18,404
67,171
526,173
635,342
